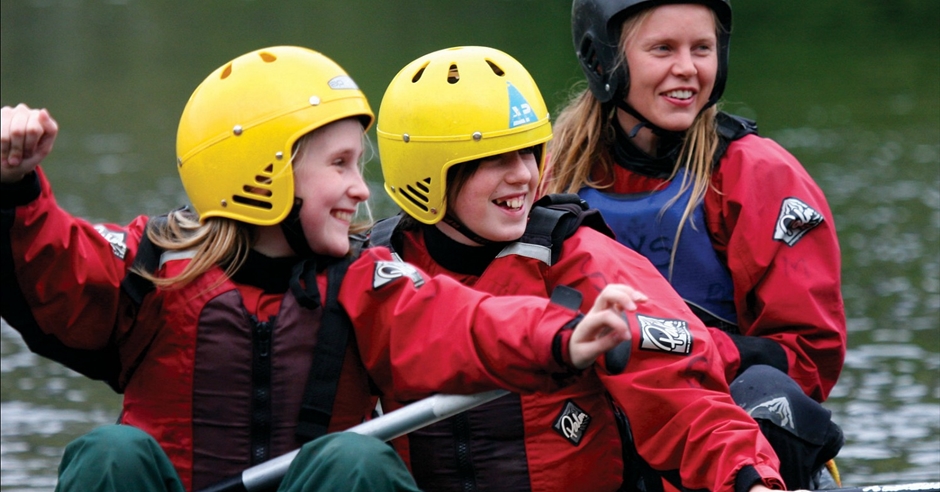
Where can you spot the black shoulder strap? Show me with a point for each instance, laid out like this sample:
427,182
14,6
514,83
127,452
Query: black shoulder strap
148,260
731,128
556,217
383,233
316,409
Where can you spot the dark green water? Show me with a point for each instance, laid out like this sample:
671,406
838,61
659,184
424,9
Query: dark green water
852,88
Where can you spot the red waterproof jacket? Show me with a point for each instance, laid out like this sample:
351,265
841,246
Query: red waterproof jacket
677,401
788,294
188,359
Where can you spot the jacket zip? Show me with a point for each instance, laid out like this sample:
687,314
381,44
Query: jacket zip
261,390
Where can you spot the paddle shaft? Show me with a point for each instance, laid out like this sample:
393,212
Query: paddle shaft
393,424
907,487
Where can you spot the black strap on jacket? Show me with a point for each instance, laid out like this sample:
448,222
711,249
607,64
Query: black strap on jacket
316,409
147,260
731,128
383,233
556,217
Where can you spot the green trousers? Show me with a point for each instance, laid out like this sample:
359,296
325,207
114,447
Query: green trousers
120,458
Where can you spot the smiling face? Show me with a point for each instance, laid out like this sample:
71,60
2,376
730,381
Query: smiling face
673,61
328,180
494,202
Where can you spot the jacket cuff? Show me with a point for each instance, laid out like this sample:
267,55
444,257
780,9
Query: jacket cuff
757,350
22,192
747,477
560,343
561,354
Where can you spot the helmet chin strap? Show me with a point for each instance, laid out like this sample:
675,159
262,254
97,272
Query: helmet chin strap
644,122
294,231
466,231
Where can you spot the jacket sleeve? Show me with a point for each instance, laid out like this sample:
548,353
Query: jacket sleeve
775,228
64,275
420,335
673,389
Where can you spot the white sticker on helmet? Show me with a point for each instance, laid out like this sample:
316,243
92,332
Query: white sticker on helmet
342,82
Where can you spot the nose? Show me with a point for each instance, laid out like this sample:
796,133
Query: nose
520,167
358,189
684,65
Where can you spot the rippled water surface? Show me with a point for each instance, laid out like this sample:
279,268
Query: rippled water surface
851,87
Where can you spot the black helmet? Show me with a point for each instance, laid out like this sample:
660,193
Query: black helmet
596,29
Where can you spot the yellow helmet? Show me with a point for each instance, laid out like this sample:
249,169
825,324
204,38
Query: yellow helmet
239,127
449,107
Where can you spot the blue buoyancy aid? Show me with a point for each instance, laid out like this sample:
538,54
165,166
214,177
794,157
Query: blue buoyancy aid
641,223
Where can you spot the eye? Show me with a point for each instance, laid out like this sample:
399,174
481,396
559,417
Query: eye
705,48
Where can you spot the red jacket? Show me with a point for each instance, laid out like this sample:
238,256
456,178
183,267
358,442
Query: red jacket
788,294
185,355
677,403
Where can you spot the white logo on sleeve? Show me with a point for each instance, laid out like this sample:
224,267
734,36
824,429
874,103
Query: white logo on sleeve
387,271
796,219
665,335
117,239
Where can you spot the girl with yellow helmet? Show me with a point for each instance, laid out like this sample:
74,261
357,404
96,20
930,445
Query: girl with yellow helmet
252,324
462,135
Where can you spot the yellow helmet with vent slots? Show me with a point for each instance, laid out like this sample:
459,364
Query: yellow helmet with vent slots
237,132
449,107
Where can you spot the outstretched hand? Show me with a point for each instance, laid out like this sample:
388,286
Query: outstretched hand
604,326
26,138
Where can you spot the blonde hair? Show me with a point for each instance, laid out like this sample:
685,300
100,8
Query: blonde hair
224,242
584,133
216,242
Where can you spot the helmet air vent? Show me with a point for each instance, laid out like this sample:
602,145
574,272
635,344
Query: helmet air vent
267,57
498,71
226,72
254,190
419,73
453,75
418,193
259,193
589,55
252,202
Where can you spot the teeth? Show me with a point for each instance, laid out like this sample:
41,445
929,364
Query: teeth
680,94
512,203
343,216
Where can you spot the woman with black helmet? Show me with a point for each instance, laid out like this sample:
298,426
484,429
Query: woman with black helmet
731,219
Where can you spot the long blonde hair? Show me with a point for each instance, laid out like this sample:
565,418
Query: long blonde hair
584,134
223,242
217,241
